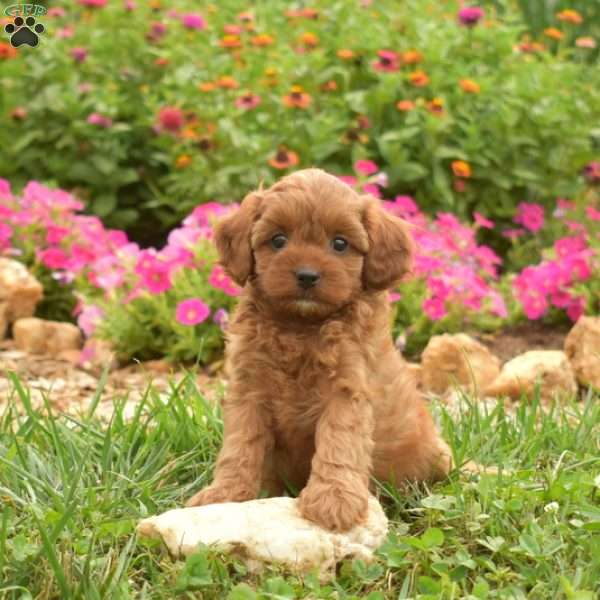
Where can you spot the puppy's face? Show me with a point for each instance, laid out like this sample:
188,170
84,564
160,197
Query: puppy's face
311,244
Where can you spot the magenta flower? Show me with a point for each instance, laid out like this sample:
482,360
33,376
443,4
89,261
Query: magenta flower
100,120
394,296
56,11
55,234
219,279
592,172
193,21
129,5
406,206
482,221
54,258
576,309
348,179
157,31
79,54
592,213
89,318
535,305
365,167
470,16
93,3
434,308
530,216
569,245
371,188
192,312
170,118
388,61
66,32
221,318
157,279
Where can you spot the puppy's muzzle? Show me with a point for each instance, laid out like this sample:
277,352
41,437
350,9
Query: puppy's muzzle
307,278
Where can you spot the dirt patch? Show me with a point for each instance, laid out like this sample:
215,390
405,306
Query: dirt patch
512,341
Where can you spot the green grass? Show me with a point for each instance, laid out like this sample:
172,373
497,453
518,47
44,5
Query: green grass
72,491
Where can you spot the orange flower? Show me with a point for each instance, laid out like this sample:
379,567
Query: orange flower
309,39
183,161
189,134
555,34
262,39
419,78
284,159
297,98
469,86
570,16
227,83
18,113
330,86
162,61
309,13
436,106
460,168
246,17
7,51
154,4
530,47
207,86
345,54
405,105
412,57
230,41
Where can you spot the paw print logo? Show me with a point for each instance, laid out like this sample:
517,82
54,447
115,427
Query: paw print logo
24,31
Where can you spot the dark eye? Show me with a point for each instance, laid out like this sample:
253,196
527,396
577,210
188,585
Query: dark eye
278,241
339,244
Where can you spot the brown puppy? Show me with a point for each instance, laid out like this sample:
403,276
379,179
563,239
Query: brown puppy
318,396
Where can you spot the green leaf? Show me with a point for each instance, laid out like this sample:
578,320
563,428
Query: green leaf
433,537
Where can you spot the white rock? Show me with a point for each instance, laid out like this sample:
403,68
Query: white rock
265,531
550,369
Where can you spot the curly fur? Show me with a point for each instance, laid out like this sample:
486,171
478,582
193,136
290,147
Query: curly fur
319,399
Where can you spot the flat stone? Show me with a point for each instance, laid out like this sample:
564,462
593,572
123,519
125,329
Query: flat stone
265,531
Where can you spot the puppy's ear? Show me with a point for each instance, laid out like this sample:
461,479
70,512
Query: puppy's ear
232,238
391,247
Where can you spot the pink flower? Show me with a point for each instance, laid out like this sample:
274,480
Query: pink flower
100,120
592,172
157,31
434,308
95,3
482,221
129,5
219,279
247,101
157,279
221,318
55,234
576,309
371,188
66,32
79,54
89,319
365,167
388,61
406,206
56,11
561,299
394,296
348,179
193,21
593,213
192,312
470,16
535,305
170,118
530,216
513,234
54,258
569,245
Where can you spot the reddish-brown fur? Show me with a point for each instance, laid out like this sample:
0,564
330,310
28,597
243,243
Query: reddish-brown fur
318,397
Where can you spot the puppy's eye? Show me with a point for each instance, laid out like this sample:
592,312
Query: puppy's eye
278,241
339,244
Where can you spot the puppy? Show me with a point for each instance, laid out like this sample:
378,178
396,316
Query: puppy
319,398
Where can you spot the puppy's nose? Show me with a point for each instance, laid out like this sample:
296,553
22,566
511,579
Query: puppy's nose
307,278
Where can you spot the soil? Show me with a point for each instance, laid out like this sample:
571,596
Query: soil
511,342
69,388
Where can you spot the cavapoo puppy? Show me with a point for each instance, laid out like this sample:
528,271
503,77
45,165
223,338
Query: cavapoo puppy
318,396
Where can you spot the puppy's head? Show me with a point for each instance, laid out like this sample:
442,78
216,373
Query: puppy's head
310,244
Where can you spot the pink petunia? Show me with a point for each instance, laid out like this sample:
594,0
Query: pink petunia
220,280
192,312
54,258
365,167
157,279
593,213
99,120
530,216
535,305
569,245
576,309
482,221
221,318
55,234
89,319
434,308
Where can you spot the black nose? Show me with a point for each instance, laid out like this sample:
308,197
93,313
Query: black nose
307,278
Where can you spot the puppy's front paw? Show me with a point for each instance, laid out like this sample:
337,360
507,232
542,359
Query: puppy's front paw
216,495
333,508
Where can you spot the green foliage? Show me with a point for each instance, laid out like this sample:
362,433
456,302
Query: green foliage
524,135
73,490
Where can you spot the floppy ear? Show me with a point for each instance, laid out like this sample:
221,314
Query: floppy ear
391,247
232,238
